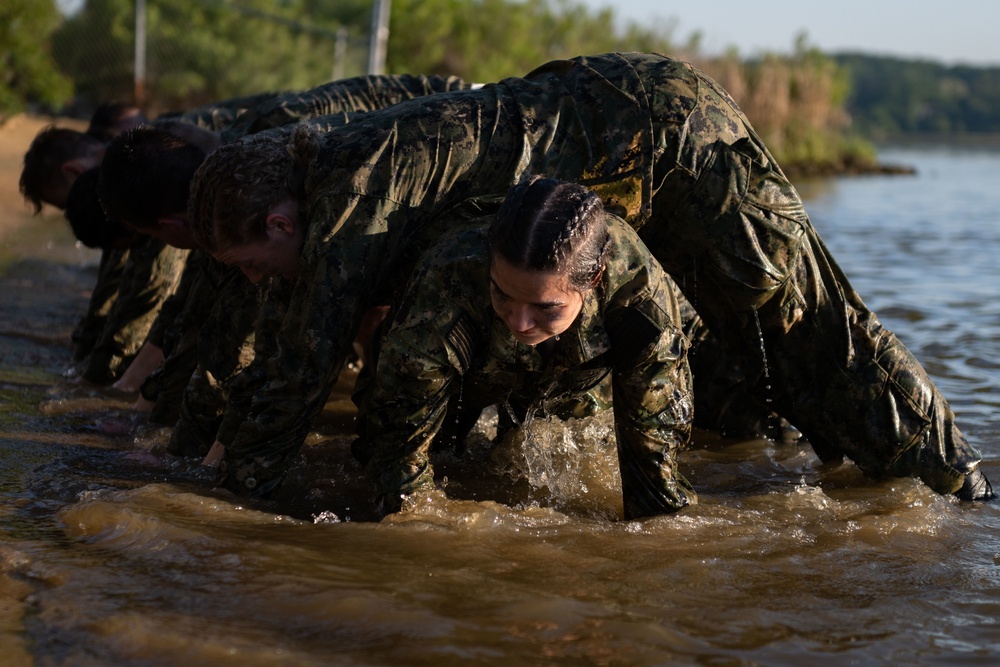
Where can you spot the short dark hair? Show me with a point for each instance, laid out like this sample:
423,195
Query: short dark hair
107,120
146,174
86,216
545,224
240,181
51,148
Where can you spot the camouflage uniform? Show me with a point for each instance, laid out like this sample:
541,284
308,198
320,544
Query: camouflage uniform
357,94
164,385
215,332
242,387
219,116
102,298
221,319
666,148
446,342
211,331
150,276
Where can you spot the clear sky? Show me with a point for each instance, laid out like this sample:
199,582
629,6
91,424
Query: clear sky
954,31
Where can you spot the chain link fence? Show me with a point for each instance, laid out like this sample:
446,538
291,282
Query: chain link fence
169,55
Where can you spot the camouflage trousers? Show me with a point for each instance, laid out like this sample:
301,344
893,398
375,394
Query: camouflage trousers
741,247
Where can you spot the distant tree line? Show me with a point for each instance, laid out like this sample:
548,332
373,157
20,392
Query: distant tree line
812,110
893,97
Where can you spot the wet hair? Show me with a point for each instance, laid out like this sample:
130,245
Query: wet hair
146,174
51,148
545,224
239,183
112,118
86,216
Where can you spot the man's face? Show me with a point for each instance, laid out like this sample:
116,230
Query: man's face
57,193
278,255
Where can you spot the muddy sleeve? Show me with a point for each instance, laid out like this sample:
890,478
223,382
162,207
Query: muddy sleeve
653,402
419,360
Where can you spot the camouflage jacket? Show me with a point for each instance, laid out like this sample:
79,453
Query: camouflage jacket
382,187
343,96
727,225
216,304
446,341
150,276
219,116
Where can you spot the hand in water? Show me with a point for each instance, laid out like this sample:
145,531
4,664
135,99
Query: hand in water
143,404
215,454
976,487
146,457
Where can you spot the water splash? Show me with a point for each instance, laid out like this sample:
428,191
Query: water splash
763,355
564,462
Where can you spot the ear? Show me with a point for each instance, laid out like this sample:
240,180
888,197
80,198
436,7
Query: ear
72,168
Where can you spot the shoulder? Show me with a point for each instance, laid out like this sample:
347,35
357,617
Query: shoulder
450,279
627,258
639,297
464,247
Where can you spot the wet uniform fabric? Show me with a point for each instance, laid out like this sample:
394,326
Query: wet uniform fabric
102,298
213,333
161,387
340,97
220,116
150,276
208,337
447,345
667,149
221,321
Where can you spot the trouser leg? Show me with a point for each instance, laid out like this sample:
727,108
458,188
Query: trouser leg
744,251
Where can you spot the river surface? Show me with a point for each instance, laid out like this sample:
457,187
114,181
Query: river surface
111,555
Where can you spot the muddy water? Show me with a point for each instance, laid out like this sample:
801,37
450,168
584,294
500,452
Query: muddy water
109,555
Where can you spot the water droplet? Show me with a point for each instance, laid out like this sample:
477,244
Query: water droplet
763,354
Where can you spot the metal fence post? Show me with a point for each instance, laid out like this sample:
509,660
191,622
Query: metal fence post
139,90
379,37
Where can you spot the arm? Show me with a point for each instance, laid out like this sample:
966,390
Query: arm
150,277
653,403
339,276
168,334
408,397
225,347
148,360
102,298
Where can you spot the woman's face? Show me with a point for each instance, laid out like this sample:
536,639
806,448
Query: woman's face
535,305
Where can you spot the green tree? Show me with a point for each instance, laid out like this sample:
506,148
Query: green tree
892,96
796,104
28,75
487,40
197,51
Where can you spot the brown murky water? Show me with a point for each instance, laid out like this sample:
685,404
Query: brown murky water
109,556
